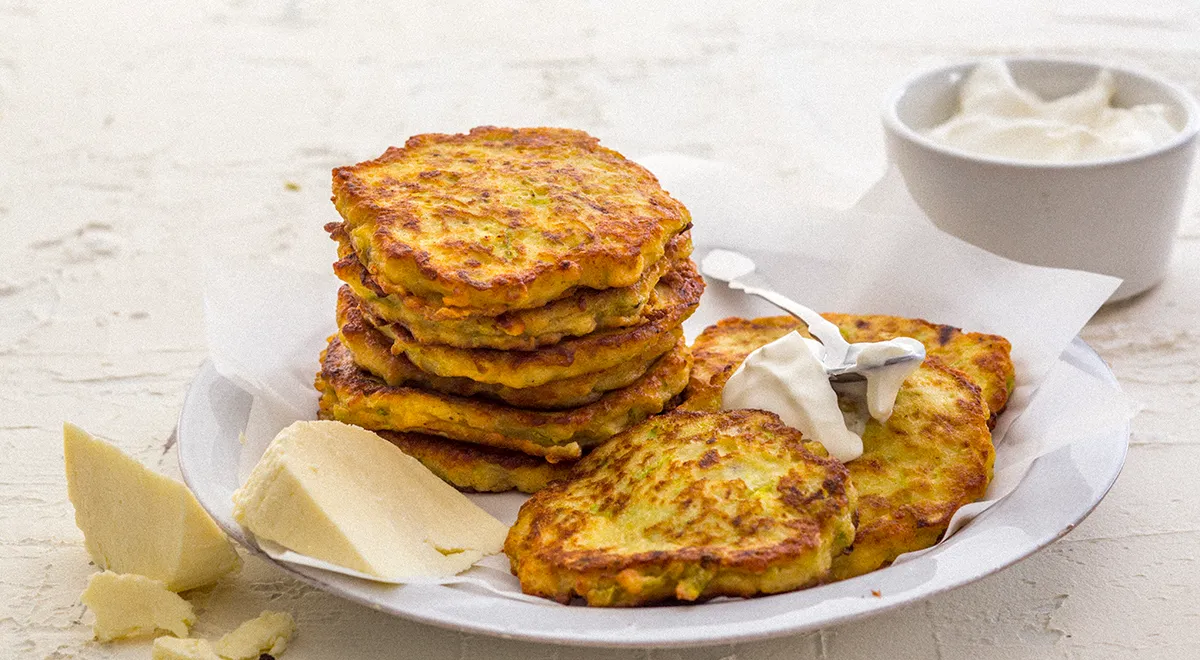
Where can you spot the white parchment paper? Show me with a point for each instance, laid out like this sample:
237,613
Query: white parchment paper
490,574
267,325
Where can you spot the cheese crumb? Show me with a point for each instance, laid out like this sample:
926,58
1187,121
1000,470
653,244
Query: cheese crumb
173,648
344,495
269,633
133,606
137,521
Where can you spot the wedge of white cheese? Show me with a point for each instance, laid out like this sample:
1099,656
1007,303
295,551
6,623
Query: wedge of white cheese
344,495
267,633
137,521
127,605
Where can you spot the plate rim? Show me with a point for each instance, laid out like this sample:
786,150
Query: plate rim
638,636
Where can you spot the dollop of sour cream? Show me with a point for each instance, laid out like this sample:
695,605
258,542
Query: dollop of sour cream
998,118
787,377
883,379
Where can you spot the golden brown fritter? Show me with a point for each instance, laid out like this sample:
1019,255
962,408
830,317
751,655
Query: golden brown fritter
932,456
478,468
579,312
722,347
372,351
985,359
351,394
686,506
501,218
675,298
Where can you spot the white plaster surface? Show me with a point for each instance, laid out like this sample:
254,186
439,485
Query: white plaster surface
137,138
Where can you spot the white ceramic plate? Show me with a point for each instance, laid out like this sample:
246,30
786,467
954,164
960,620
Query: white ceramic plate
1060,490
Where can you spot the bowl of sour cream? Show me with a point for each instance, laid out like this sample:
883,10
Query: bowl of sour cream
1051,162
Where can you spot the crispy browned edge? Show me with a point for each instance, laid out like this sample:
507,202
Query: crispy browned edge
350,190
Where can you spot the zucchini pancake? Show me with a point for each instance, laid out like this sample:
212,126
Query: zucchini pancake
372,351
353,395
583,311
501,219
675,298
512,297
477,468
932,456
983,358
687,506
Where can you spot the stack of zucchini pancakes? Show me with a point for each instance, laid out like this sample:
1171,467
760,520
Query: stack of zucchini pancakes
512,298
511,318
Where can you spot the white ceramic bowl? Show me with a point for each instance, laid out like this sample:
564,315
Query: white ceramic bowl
1116,216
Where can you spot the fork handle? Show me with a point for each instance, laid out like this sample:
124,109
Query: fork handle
827,333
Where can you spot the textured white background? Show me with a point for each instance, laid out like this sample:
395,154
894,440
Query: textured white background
136,138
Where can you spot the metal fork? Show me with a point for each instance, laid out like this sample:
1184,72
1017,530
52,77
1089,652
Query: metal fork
739,272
